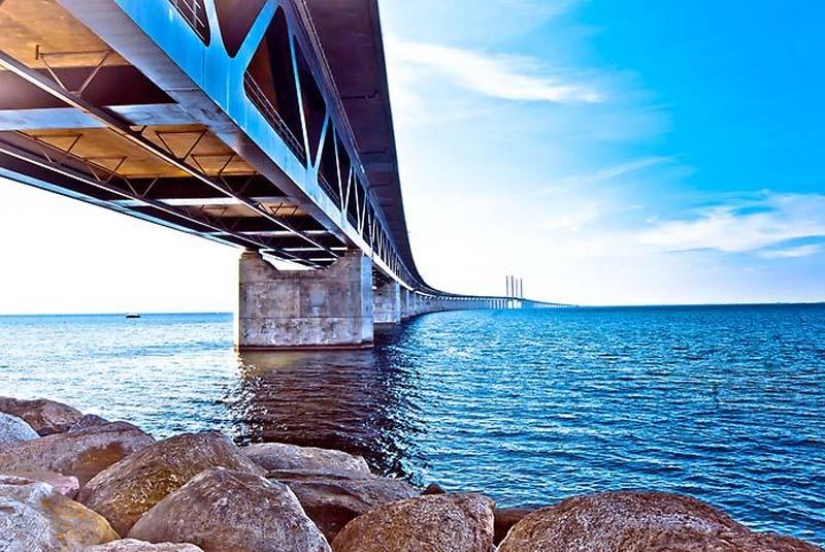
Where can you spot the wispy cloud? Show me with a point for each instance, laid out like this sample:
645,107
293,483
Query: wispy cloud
540,8
507,77
746,226
606,174
791,252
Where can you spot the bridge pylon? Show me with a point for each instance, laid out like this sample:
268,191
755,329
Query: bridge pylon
330,308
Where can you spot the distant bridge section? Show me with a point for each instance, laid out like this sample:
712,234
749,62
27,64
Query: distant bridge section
262,124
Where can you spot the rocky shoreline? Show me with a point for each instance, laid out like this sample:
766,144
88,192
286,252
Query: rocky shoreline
70,482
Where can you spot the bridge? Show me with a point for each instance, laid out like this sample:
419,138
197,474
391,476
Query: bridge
262,124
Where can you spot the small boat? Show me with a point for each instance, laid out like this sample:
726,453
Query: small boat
132,315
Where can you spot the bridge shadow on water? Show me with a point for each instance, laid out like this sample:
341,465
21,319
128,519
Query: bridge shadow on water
362,402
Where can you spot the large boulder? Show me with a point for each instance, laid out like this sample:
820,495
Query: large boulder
87,421
132,545
436,523
82,454
634,521
332,502
280,457
66,485
130,488
45,416
506,518
14,430
221,510
35,517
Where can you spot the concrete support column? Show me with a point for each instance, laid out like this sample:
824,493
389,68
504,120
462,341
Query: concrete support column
387,304
326,308
406,310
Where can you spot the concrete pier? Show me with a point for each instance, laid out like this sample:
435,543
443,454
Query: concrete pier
292,310
387,304
406,304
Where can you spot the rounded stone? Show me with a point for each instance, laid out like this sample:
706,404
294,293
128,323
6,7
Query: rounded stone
635,521
435,523
132,545
332,502
221,510
506,518
433,489
35,517
130,488
45,416
87,421
82,454
14,430
281,456
66,485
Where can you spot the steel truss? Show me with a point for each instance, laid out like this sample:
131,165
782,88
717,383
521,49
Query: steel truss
121,128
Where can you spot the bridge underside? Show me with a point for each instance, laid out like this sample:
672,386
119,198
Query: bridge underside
78,118
262,124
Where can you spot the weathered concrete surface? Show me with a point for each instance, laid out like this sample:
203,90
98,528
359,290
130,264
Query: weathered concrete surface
132,545
14,430
634,521
406,304
329,308
45,417
35,517
387,303
281,456
130,488
435,523
221,510
82,454
332,502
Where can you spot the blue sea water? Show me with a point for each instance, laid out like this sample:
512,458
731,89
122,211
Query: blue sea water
723,403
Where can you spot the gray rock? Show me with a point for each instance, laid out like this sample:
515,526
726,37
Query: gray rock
66,485
45,416
14,430
433,488
132,545
435,523
221,510
506,518
87,421
34,517
280,456
633,521
82,454
332,502
130,488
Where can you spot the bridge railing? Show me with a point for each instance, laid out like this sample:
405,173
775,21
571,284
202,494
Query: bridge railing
257,96
194,12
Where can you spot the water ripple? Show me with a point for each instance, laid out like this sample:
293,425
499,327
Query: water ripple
727,404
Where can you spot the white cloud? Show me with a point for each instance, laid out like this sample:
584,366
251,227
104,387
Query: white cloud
507,77
577,216
543,8
791,252
744,227
602,175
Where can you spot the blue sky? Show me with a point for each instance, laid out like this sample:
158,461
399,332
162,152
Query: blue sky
616,152
630,152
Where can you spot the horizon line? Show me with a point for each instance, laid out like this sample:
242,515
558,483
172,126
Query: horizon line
574,307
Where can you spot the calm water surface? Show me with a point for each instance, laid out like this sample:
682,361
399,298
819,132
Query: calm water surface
723,403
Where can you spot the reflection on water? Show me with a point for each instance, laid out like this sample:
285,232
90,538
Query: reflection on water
353,401
724,403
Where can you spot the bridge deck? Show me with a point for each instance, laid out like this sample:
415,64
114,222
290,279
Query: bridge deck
259,123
